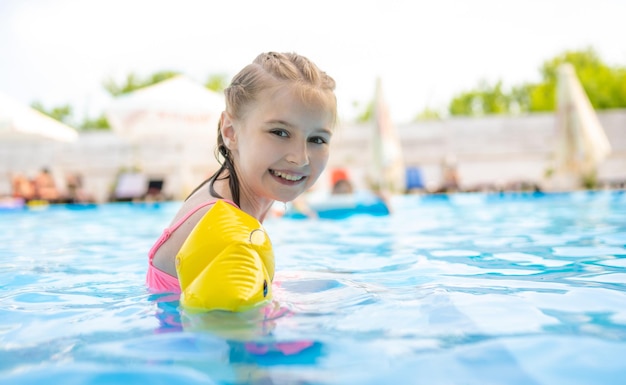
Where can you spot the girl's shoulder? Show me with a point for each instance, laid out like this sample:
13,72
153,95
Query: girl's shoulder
195,204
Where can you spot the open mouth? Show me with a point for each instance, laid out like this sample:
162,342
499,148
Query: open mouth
286,176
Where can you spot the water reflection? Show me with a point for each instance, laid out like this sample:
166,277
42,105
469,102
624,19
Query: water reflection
231,347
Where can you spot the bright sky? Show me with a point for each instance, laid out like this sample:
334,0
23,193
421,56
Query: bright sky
425,51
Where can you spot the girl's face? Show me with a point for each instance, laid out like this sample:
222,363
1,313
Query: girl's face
280,146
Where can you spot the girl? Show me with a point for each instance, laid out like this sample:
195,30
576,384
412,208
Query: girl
274,138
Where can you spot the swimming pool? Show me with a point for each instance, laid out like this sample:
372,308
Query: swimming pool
458,289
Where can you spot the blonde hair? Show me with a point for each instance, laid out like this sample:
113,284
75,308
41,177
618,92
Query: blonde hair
270,70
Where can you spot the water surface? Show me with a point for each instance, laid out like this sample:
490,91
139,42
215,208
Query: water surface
459,289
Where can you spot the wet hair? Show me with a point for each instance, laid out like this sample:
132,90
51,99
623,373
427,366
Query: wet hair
269,70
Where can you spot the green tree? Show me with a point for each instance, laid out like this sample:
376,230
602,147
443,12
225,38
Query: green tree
367,114
486,99
428,114
99,123
133,82
605,86
65,115
217,83
463,104
61,113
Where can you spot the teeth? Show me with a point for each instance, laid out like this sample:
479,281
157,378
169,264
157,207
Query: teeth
292,178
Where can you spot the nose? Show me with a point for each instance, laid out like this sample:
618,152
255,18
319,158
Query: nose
298,154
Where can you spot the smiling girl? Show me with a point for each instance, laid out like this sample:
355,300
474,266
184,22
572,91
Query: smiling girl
273,139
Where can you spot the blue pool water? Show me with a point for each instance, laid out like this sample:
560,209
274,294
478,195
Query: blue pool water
459,289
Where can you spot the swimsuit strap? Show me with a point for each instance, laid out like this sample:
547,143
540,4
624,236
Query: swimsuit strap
182,220
194,210
168,231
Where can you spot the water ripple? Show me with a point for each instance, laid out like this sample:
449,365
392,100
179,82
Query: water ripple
450,289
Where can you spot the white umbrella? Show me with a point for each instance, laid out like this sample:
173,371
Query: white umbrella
26,133
19,122
582,143
386,169
175,109
178,113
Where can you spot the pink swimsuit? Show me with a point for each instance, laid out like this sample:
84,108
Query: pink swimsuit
158,280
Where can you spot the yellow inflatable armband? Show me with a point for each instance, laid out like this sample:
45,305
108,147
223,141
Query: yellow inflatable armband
226,263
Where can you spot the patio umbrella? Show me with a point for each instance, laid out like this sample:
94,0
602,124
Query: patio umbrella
581,143
386,169
177,113
27,134
19,122
174,109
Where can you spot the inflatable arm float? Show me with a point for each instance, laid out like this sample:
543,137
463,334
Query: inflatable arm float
226,262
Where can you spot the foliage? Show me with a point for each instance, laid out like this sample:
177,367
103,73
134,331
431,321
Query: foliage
61,113
217,82
99,123
367,114
133,82
65,115
428,114
486,99
605,86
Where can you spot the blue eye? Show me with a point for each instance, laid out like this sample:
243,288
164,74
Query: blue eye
264,288
318,140
281,133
